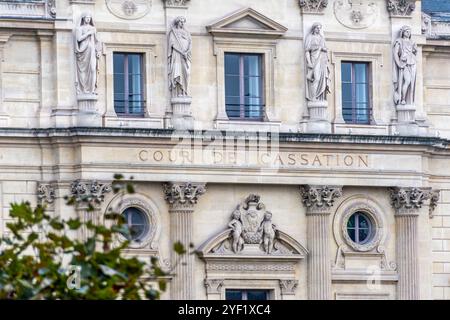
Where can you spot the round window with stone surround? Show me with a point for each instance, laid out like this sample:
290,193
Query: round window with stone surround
361,227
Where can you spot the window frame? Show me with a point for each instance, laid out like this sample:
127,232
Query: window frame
246,291
243,106
369,89
147,226
126,75
357,228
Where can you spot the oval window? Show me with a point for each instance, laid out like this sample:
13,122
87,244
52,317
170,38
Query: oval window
137,223
359,228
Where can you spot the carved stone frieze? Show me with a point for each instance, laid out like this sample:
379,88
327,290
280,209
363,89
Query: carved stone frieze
401,7
89,191
46,193
288,287
176,3
313,6
319,198
183,195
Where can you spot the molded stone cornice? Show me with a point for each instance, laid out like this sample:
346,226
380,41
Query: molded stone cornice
408,201
46,193
89,191
313,6
176,3
401,8
183,195
319,199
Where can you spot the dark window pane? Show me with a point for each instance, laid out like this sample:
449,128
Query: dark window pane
347,92
233,295
256,295
232,86
361,72
232,64
361,93
351,222
252,65
118,63
351,234
346,72
362,113
134,64
137,223
363,235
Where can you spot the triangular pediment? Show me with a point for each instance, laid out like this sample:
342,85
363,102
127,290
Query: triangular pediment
247,22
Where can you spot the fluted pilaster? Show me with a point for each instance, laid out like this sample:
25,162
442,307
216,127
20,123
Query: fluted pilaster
182,198
407,203
319,201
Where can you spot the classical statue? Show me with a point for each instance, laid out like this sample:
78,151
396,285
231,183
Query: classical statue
405,68
268,230
179,57
318,72
87,51
236,225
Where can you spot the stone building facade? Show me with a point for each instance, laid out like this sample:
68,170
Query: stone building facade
300,145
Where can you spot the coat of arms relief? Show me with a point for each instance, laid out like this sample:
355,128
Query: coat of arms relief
129,9
356,14
251,231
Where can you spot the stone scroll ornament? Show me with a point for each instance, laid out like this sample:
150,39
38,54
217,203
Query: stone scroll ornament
317,65
179,58
405,68
87,51
313,6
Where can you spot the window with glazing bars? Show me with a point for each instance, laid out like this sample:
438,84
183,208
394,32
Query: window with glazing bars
129,84
356,92
244,94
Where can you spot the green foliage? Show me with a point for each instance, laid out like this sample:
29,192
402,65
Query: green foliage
41,253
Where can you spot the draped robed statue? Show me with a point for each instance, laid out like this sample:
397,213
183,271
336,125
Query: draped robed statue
87,51
179,58
317,68
405,68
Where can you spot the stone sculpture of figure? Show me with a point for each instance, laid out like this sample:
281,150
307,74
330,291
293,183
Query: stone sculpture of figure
405,68
87,51
180,55
268,229
318,72
237,227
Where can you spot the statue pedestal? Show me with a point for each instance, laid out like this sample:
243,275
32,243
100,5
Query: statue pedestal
318,117
87,112
181,113
406,117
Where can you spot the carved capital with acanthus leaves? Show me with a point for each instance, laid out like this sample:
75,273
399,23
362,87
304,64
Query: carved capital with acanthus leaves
183,195
319,199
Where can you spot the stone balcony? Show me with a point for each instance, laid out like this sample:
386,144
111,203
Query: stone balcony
35,9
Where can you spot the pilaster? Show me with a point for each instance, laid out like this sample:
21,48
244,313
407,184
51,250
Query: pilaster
182,198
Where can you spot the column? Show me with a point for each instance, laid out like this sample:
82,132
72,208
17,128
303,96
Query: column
182,198
88,196
319,201
407,203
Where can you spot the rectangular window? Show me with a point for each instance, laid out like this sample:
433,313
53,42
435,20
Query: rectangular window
256,295
356,92
129,84
244,96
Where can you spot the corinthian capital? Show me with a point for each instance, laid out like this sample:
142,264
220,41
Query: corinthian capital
313,6
410,200
89,191
319,199
401,7
176,3
185,194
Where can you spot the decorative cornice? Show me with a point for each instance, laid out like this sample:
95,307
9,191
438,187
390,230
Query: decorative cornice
213,286
176,3
89,191
408,201
46,193
183,195
313,6
319,199
401,8
288,287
